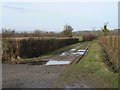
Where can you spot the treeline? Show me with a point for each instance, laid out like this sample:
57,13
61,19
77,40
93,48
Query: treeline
67,32
8,33
96,32
91,34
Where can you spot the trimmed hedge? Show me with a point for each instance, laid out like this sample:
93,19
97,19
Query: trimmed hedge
111,46
15,48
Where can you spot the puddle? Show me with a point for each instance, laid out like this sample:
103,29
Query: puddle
64,53
73,50
34,62
57,62
81,50
78,53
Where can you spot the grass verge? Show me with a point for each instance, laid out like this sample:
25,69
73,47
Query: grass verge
91,70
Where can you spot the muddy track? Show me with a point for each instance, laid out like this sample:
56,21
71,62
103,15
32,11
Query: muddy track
35,76
32,76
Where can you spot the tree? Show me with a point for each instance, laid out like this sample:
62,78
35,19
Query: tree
105,30
37,33
67,31
8,32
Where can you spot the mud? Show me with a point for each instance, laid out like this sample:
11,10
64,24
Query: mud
36,74
30,76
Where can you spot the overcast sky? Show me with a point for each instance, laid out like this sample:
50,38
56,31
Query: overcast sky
51,16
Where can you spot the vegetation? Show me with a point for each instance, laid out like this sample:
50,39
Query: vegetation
15,48
89,37
23,47
105,30
90,69
67,32
111,46
55,52
10,33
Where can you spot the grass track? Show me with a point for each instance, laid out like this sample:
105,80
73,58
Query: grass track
91,69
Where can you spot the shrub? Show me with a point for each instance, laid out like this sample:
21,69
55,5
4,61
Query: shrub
89,37
32,47
111,46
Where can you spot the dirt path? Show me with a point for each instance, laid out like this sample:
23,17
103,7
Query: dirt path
36,76
32,76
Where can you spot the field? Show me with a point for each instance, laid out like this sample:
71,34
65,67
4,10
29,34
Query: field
79,74
60,45
35,61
